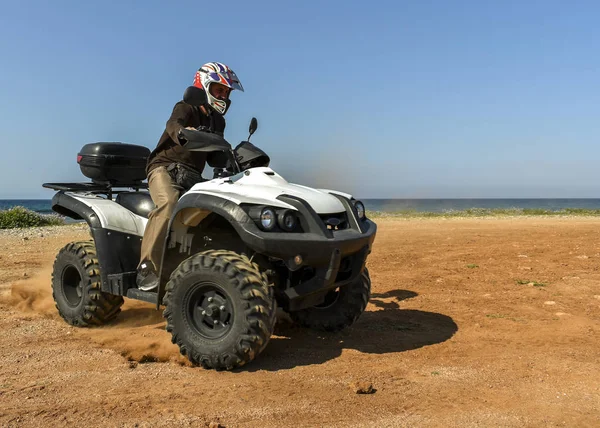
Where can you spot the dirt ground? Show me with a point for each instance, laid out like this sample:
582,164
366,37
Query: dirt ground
472,323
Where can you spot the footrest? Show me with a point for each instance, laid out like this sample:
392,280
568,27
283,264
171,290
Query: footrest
146,296
118,283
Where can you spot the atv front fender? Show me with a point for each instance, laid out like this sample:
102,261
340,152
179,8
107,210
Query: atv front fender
317,246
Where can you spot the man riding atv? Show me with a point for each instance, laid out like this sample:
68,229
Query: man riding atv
226,252
172,168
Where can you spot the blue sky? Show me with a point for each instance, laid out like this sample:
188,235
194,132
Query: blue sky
418,99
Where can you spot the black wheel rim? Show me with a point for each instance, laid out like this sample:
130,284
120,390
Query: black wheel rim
330,298
210,310
72,285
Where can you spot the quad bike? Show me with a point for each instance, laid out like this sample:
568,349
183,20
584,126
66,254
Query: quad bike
238,246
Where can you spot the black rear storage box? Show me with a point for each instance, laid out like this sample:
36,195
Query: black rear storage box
114,163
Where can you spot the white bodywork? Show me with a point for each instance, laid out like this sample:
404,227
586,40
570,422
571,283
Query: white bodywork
259,186
263,186
112,215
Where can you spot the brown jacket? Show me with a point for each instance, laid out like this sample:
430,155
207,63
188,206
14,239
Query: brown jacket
169,149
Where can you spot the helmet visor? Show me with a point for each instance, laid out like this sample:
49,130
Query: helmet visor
227,78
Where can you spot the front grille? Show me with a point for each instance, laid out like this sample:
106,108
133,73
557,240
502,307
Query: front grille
337,221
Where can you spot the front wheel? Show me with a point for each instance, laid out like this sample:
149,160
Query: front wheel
220,309
341,307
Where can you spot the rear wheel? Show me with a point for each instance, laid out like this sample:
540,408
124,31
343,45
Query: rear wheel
220,309
341,307
76,287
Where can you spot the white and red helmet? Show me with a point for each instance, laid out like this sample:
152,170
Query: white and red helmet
217,72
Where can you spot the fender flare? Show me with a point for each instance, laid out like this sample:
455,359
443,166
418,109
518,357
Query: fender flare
227,209
107,242
68,206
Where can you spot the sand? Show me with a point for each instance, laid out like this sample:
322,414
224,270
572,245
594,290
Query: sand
472,323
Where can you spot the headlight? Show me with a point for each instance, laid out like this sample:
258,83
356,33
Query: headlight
287,220
271,219
267,218
360,209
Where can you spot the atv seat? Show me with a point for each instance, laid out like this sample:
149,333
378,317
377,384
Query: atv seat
139,203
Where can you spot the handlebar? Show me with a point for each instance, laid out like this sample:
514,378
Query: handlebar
202,141
205,141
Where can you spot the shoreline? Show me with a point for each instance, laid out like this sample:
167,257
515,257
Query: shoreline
484,217
478,213
42,231
408,214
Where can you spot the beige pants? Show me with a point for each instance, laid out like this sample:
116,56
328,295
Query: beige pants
165,197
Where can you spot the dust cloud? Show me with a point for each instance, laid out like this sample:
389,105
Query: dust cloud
137,333
33,295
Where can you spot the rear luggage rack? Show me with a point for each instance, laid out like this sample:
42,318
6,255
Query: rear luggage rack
105,188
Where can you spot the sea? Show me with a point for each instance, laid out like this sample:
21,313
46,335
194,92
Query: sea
43,206
445,205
